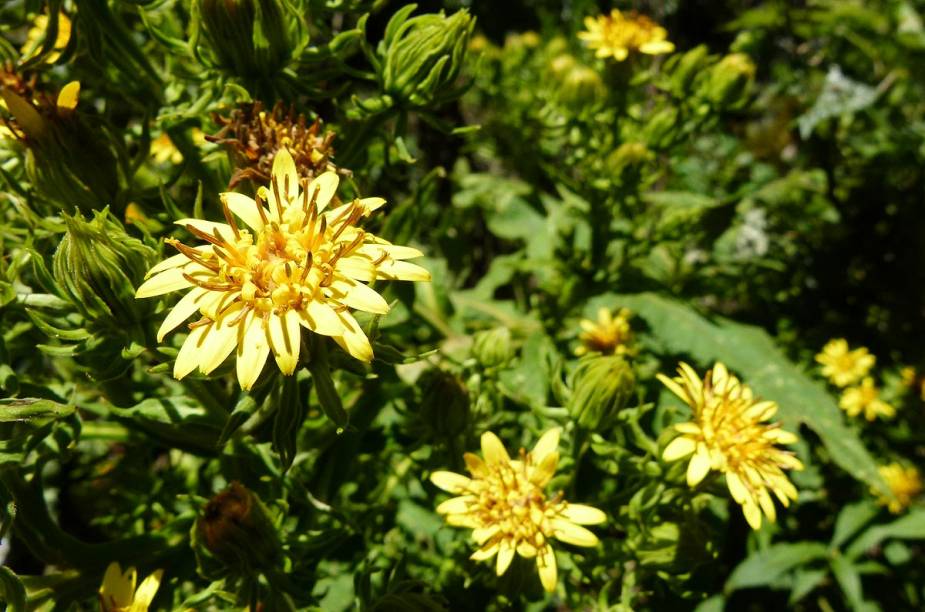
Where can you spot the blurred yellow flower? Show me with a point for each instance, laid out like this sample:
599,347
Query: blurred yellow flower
609,335
729,434
843,367
296,263
163,150
36,37
505,505
905,484
617,34
865,397
118,594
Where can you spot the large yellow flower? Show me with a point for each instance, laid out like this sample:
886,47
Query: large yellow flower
505,505
865,398
118,594
729,434
296,263
609,335
905,484
617,34
843,367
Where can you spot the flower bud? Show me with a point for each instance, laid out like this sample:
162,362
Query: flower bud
627,156
729,81
68,160
98,265
492,348
235,527
423,56
581,85
444,403
602,386
249,37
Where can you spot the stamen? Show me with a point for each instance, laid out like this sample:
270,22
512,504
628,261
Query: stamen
209,285
195,256
279,202
217,241
263,214
308,266
229,219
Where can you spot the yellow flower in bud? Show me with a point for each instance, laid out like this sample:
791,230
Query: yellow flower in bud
297,263
905,485
118,594
610,335
730,434
506,506
865,398
36,37
617,34
843,367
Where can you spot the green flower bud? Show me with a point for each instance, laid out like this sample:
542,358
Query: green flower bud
236,529
249,37
422,56
68,160
661,128
98,265
628,155
686,69
444,403
582,85
602,386
492,348
729,81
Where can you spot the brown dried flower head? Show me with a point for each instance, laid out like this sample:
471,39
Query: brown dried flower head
254,136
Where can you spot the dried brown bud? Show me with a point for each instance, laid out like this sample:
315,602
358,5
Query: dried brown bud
236,528
254,135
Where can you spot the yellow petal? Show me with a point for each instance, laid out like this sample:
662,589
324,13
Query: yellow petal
353,340
25,114
475,465
493,450
188,357
252,352
321,319
358,296
570,533
674,387
401,270
117,587
358,267
548,443
681,446
457,505
219,343
285,173
698,468
67,97
546,565
372,204
583,515
164,282
752,514
505,556
326,186
285,340
245,208
451,482
483,534
657,47
737,487
374,251
146,592
187,305
541,474
486,552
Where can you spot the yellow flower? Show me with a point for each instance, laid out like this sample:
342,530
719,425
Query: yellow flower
296,263
505,505
866,398
729,434
36,37
163,150
843,367
617,34
610,335
118,594
904,483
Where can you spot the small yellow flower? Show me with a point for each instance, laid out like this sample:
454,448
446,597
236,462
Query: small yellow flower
118,594
505,505
36,37
618,34
297,263
729,434
163,150
610,335
905,484
865,397
907,376
843,367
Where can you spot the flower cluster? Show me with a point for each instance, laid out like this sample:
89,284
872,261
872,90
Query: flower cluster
729,433
296,263
506,506
618,34
609,335
849,369
905,485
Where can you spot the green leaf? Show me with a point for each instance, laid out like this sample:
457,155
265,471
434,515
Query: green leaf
766,566
12,591
909,527
752,354
29,409
851,519
848,579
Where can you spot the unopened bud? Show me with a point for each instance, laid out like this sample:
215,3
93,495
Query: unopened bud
602,387
249,37
98,265
492,348
236,528
730,81
444,403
